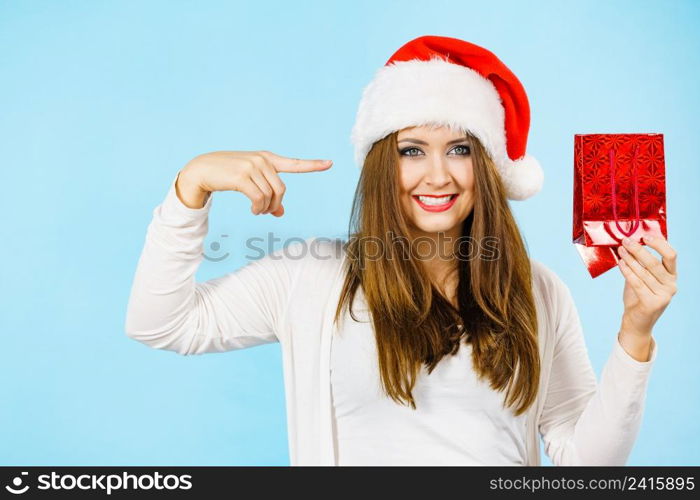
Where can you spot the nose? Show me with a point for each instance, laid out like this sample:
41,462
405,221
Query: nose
437,173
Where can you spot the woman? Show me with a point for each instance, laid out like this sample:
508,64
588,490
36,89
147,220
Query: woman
430,337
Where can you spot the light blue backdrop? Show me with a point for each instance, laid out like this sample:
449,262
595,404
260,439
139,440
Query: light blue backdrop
101,103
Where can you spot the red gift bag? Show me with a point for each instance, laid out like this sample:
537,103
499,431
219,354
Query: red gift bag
619,191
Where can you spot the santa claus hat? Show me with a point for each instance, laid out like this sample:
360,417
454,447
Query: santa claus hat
447,81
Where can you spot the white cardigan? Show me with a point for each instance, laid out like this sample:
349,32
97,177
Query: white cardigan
289,296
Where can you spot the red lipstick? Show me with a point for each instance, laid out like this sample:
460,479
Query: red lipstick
436,208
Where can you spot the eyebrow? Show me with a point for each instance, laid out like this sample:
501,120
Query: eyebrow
418,141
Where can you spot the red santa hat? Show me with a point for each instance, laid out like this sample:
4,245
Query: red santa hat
447,81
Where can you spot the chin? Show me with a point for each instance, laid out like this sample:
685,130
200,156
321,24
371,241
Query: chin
436,226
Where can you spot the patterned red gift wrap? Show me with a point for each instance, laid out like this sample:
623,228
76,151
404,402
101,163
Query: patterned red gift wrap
619,190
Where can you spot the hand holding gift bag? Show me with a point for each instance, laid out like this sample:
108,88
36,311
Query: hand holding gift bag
619,191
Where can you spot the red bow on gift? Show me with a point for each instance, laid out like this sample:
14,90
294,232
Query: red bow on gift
619,191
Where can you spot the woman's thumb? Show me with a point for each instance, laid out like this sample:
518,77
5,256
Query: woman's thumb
279,212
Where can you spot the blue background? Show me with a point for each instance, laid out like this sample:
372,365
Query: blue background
101,103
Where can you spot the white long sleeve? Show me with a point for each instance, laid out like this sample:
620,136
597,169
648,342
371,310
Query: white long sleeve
168,310
283,297
585,422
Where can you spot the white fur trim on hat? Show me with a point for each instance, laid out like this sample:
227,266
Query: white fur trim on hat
522,178
416,92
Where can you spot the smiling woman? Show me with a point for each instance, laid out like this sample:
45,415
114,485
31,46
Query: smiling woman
450,290
464,354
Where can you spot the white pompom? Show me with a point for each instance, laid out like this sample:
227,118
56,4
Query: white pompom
522,178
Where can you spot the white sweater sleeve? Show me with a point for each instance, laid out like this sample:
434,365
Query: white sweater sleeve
168,310
585,422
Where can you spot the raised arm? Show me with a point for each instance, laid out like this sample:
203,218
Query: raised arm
168,309
585,422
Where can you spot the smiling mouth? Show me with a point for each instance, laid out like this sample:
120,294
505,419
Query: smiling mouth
435,203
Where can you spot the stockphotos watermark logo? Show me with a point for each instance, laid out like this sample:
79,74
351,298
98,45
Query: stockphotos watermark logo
391,246
17,486
102,482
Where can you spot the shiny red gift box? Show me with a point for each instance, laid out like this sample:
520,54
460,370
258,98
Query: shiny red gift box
619,191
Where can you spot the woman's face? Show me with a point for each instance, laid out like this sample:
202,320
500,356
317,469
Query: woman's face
436,179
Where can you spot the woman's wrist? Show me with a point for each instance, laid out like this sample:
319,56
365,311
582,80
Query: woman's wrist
637,344
189,190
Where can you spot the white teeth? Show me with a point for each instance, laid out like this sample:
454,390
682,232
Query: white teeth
429,200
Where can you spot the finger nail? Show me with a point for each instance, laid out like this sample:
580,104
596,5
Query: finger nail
626,241
648,238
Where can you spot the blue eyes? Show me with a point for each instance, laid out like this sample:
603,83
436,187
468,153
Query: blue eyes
466,150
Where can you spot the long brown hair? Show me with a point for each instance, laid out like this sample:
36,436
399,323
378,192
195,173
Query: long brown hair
414,323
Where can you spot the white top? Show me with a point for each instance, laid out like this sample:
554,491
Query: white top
289,296
458,420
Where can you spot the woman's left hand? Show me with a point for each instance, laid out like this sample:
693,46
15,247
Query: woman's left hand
650,284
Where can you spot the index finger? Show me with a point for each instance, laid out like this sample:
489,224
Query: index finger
284,164
668,254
